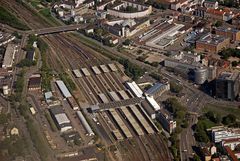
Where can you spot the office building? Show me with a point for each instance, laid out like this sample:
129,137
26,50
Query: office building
232,33
227,86
194,71
220,133
212,43
166,120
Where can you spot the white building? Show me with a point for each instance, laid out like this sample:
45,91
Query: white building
142,10
221,133
9,56
60,118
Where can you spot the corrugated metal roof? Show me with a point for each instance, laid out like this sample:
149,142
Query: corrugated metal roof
9,55
62,118
85,123
63,89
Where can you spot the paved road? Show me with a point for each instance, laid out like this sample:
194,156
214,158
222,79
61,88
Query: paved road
48,30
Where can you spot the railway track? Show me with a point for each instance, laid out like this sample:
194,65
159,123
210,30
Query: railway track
151,146
22,12
74,57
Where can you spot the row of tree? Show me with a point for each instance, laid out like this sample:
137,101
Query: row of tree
210,119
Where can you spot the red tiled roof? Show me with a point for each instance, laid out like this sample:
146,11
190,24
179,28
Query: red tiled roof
218,12
231,140
230,153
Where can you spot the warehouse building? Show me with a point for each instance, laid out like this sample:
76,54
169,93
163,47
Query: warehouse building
62,87
60,118
85,123
228,86
34,82
212,43
9,56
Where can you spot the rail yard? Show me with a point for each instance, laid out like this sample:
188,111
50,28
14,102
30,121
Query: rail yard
125,80
101,114
115,108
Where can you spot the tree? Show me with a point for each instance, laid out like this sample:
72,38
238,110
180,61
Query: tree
127,42
210,115
234,63
156,76
26,63
216,118
177,109
196,158
201,136
229,119
131,70
154,64
218,23
174,87
3,118
17,35
99,32
185,124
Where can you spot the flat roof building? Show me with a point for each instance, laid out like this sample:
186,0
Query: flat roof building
228,86
153,103
9,56
212,43
166,120
65,92
34,82
194,71
149,110
62,121
30,55
50,99
232,33
220,133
